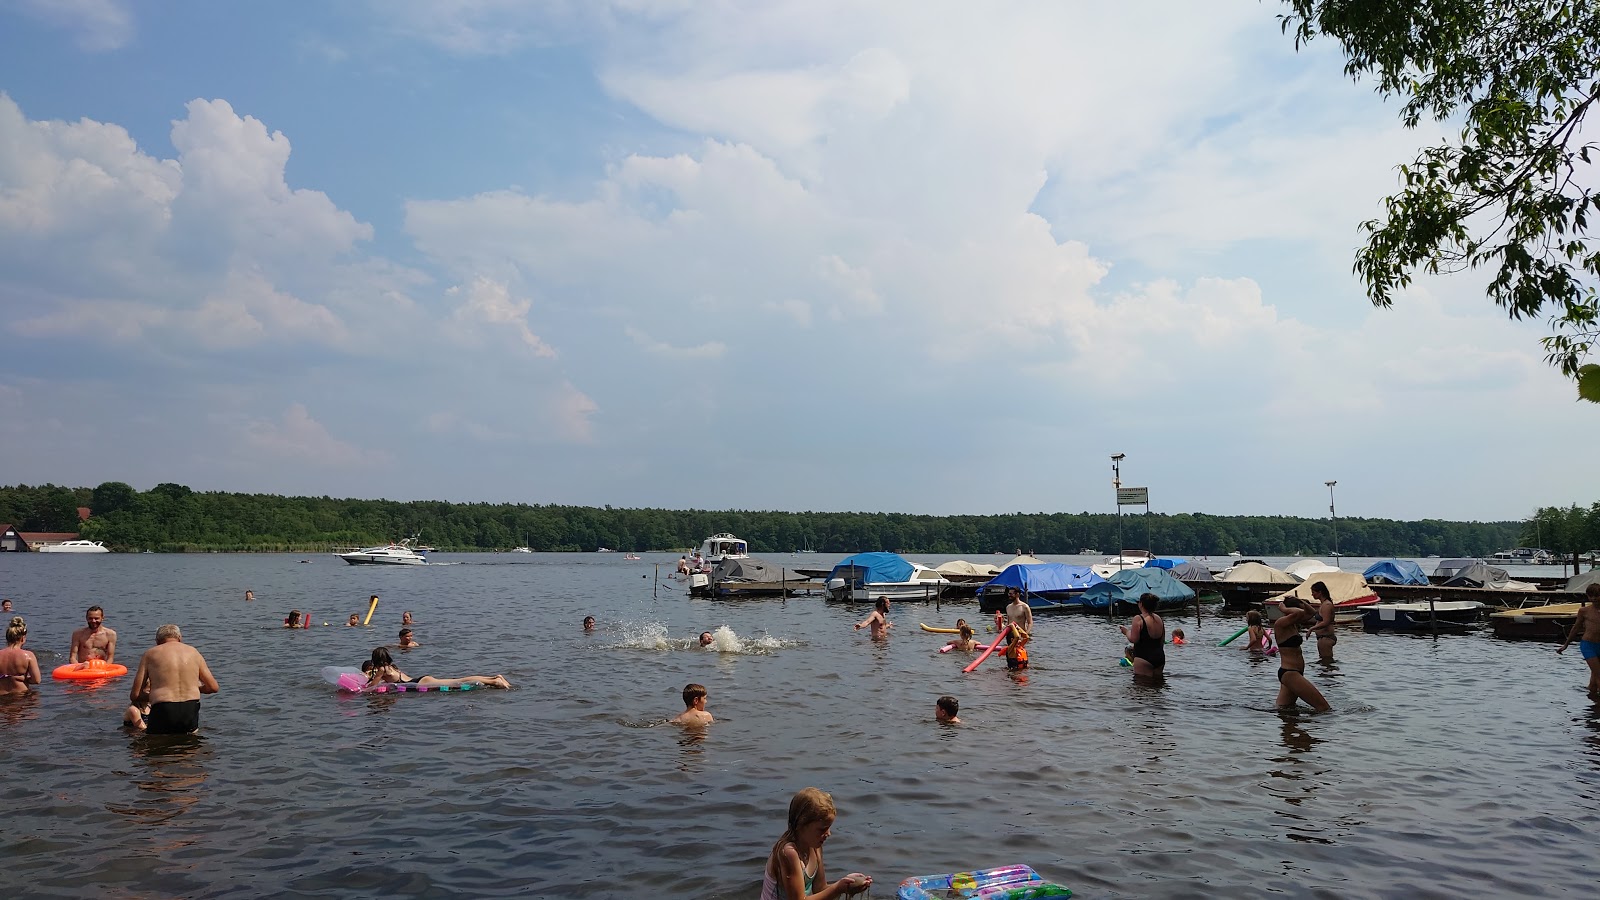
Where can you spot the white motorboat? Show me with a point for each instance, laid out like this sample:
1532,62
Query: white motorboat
74,547
1127,559
721,546
401,554
521,549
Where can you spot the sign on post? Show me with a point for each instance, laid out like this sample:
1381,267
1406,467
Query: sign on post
1133,496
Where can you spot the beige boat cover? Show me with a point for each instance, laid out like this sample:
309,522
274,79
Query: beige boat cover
962,567
1551,610
1342,586
1306,567
1023,560
1257,573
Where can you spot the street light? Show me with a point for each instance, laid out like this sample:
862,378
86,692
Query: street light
1116,484
1335,516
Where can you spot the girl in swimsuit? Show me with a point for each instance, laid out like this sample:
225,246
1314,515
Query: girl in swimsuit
1326,637
1258,632
1148,634
1292,682
385,671
795,864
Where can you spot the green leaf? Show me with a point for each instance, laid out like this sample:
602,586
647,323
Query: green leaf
1589,383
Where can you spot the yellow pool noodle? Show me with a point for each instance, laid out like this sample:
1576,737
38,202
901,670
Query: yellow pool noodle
370,610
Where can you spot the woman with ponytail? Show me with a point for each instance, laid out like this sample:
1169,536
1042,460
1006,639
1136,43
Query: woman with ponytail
18,667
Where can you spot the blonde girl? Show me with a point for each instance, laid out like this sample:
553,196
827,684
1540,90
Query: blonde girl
18,667
795,864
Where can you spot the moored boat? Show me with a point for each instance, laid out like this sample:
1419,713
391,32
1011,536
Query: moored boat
74,547
1550,622
865,577
1350,593
1442,615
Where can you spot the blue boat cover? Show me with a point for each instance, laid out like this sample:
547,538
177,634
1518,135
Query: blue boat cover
1395,571
1128,584
1164,562
1044,578
875,568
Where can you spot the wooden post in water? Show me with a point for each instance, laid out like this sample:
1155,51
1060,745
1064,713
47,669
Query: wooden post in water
656,588
1433,613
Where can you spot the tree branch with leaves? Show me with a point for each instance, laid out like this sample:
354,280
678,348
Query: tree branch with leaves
1513,191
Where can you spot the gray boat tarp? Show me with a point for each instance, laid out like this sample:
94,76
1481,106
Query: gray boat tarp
750,570
1486,576
1128,584
1394,571
1580,583
1191,571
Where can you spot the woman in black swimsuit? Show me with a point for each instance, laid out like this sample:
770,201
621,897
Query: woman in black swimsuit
1148,633
1292,682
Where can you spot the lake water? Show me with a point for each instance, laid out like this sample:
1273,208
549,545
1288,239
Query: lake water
1449,767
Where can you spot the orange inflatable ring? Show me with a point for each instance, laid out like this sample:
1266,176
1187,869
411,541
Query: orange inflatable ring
88,671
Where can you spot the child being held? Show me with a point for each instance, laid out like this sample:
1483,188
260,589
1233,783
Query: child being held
694,701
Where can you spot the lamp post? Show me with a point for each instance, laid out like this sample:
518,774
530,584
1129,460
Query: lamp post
1116,484
1335,516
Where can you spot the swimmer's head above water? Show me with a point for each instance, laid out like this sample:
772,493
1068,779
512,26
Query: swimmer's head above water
706,639
588,623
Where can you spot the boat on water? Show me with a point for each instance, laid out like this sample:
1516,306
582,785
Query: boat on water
630,555
1045,587
865,577
401,554
713,550
1524,556
521,549
1441,615
1125,559
1350,592
74,547
1550,622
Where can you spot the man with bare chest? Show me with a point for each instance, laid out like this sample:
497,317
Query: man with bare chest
172,675
1586,628
94,640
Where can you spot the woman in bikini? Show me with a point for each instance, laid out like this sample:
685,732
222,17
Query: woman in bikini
1292,682
386,672
1147,633
1326,637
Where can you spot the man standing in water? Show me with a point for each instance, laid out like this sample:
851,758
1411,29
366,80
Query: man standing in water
172,675
1587,624
1018,612
94,640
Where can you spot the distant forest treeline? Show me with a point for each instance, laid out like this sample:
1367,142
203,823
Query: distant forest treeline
171,517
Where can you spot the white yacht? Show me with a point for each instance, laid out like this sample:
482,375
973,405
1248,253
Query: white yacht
721,546
74,547
1127,559
401,554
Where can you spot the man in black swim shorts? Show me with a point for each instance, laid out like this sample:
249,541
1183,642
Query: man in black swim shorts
173,675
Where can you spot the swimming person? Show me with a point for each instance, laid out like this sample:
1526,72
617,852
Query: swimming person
694,707
706,639
588,623
1178,640
294,619
355,620
1587,624
5,606
878,620
137,712
172,675
1147,633
94,640
18,666
964,641
249,595
385,671
945,709
795,864
1292,682
406,640
405,618
1324,627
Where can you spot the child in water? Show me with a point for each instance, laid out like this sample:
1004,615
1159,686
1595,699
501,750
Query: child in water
694,702
294,619
964,641
406,640
134,716
945,710
795,864
1258,632
1178,638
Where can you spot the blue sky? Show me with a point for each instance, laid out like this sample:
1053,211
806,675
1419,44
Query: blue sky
922,257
